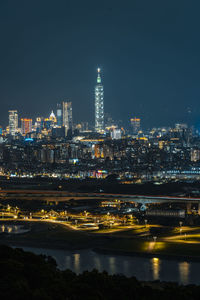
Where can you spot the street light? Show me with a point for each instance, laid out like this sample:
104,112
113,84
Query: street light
154,238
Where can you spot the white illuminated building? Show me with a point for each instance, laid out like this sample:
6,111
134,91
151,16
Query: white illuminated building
116,134
67,116
99,103
13,122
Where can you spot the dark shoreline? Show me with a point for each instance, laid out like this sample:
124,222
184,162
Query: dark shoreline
100,250
148,255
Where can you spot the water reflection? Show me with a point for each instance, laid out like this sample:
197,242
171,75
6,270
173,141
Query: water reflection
143,268
184,270
112,265
156,268
77,262
9,229
14,229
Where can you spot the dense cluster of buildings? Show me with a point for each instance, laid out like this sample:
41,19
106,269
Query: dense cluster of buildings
59,124
158,154
56,146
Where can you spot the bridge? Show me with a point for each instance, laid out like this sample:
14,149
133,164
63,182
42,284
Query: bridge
60,196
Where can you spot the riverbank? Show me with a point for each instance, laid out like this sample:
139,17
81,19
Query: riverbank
61,237
106,251
148,255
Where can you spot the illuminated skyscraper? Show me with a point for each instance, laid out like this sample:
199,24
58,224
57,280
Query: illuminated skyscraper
116,134
135,124
39,124
67,116
59,114
99,103
26,126
13,121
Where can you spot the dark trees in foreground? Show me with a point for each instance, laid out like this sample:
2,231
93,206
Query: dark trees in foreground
24,275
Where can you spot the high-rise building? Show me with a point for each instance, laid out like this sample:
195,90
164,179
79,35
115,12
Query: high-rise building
39,124
135,124
116,134
59,114
26,125
99,103
13,121
67,116
52,117
195,155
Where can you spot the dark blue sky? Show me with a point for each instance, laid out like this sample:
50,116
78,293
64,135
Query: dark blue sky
149,52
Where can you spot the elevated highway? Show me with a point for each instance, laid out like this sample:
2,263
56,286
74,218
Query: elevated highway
57,196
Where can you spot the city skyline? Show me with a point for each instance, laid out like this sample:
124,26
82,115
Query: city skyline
100,149
149,55
187,118
63,115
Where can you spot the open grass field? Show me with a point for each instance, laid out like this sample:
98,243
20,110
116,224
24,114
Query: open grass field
138,240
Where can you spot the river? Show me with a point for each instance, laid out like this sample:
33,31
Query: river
142,268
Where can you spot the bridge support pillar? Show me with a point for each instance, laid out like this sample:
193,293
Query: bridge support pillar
47,202
56,202
189,207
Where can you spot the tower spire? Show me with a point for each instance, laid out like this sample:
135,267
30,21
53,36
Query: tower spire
99,103
98,75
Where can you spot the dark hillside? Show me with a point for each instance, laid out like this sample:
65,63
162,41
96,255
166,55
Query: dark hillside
28,276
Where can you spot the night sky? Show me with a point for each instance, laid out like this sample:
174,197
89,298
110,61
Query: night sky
149,52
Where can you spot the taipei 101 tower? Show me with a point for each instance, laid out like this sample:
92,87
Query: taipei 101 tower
99,103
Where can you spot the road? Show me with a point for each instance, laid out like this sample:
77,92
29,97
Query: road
57,196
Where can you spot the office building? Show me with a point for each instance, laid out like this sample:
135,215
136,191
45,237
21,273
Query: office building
99,103
39,124
116,134
52,117
13,122
59,114
67,116
135,125
26,126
